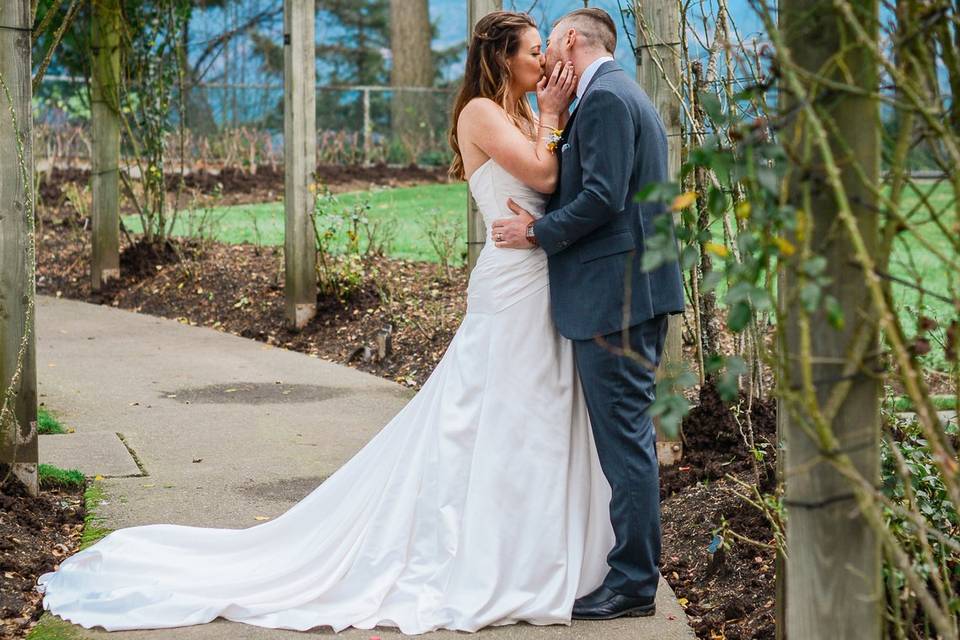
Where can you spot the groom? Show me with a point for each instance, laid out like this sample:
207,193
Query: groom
594,234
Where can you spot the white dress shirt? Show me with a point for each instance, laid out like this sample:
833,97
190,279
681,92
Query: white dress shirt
588,74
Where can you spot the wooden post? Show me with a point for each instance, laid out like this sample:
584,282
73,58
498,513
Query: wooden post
367,128
658,67
833,555
105,111
476,230
300,159
18,370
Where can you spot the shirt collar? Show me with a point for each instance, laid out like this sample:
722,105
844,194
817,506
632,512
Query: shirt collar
589,72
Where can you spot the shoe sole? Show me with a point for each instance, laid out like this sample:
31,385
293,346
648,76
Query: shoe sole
636,612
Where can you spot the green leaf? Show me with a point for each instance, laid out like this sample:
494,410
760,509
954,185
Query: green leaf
834,313
768,179
688,257
717,202
670,409
711,104
739,316
652,258
711,280
810,296
713,364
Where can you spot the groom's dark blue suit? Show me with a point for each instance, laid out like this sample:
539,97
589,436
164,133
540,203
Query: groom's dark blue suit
594,233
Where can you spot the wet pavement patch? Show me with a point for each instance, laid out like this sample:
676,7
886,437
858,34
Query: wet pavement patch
292,489
254,393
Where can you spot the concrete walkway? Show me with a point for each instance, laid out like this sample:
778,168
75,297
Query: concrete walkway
193,426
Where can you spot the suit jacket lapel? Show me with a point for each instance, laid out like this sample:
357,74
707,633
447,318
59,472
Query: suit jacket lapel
604,69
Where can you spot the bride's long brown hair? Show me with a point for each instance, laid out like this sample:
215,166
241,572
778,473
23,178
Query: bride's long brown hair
487,75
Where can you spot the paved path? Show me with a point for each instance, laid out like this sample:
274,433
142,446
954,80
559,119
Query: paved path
194,426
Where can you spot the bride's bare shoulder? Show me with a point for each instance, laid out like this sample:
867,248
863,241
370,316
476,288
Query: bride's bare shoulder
482,111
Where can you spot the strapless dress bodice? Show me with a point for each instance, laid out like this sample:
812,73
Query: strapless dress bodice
491,185
502,277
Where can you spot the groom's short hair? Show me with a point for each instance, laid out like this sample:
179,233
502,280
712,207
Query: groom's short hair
593,25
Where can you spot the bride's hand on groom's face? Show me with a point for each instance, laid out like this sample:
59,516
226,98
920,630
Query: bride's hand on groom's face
511,233
555,89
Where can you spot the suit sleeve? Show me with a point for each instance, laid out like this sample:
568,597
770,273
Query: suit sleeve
606,136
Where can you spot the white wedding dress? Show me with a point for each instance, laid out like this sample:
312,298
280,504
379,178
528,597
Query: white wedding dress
481,503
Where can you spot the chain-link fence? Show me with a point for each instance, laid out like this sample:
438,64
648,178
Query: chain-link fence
241,125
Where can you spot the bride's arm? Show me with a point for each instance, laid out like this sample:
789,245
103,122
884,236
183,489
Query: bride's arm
485,125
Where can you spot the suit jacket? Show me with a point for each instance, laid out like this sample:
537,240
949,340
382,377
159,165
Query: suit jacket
594,230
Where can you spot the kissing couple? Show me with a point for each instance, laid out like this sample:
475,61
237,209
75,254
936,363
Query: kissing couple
521,482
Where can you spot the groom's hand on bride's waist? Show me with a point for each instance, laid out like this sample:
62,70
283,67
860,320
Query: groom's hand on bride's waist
511,233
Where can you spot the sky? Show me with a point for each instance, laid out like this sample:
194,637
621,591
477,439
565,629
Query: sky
451,18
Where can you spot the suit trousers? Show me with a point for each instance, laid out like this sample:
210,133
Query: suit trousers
618,389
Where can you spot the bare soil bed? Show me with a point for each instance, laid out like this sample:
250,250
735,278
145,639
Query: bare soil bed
231,186
36,533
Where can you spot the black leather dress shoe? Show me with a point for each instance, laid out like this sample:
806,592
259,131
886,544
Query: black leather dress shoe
607,604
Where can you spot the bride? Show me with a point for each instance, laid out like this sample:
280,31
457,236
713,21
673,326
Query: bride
482,502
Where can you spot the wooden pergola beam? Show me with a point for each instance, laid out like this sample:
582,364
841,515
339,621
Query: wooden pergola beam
658,67
834,555
300,159
105,112
18,370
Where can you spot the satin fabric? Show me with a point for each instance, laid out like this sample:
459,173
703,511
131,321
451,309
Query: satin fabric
480,503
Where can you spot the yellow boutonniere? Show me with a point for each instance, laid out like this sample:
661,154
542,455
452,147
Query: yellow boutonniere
553,139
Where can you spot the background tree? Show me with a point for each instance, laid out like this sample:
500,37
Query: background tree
353,36
412,66
204,52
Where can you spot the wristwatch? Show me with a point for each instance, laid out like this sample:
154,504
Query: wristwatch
531,238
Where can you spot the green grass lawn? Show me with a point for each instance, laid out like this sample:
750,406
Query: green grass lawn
405,215
917,264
